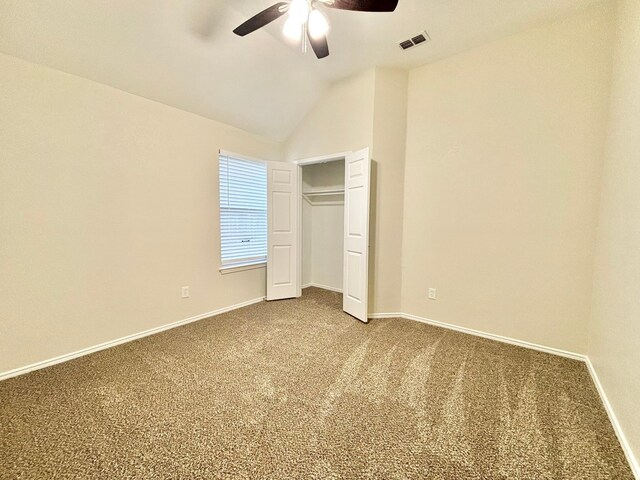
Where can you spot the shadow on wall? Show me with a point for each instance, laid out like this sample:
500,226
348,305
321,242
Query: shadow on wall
205,17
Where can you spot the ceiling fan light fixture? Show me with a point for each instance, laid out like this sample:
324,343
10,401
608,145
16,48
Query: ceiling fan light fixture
306,23
318,24
299,11
292,30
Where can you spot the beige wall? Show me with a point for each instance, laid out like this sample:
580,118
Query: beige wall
341,121
327,245
614,336
109,204
502,176
387,192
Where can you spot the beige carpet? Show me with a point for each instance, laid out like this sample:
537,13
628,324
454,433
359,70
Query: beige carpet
297,389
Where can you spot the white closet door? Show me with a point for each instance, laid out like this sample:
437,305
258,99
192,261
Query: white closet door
282,231
357,175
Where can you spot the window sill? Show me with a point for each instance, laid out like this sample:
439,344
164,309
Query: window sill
240,267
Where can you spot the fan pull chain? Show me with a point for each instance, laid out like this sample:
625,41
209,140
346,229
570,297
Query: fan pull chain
304,37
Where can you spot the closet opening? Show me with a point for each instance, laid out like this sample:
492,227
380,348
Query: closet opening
322,212
318,228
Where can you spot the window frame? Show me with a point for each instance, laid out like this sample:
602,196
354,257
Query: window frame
243,264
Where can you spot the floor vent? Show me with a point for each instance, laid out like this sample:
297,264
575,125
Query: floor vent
422,37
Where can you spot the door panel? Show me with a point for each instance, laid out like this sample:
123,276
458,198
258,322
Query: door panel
353,266
282,231
356,234
281,265
281,212
355,206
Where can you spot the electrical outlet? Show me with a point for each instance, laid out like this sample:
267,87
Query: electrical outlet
432,293
185,292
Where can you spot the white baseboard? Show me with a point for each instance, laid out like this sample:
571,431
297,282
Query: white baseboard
633,461
324,287
86,351
478,333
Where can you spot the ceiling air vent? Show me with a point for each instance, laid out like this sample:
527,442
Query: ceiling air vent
406,44
422,37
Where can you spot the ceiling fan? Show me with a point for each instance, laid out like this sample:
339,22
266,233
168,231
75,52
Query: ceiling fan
307,23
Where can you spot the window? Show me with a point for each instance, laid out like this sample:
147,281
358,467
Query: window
243,210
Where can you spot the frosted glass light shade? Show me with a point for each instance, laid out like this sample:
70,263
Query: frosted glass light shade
299,11
292,30
318,24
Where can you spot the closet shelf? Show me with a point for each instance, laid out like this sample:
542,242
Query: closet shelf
324,197
318,193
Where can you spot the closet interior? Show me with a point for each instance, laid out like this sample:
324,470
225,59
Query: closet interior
323,224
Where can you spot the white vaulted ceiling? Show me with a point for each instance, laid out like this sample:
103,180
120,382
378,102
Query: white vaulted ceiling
183,52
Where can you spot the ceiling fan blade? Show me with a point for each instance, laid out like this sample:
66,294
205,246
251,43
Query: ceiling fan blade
319,45
261,19
363,5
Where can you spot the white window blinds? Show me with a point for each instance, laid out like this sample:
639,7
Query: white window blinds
243,210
